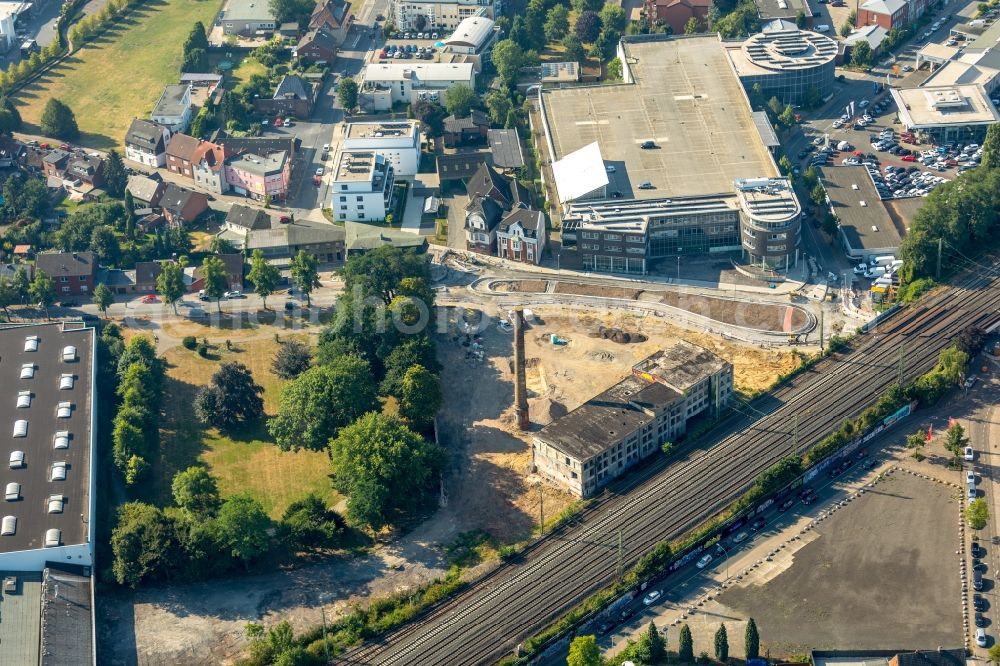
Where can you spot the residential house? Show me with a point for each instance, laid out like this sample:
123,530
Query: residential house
282,242
334,16
676,13
182,206
10,150
146,143
888,14
174,109
471,129
73,273
145,275
505,146
240,219
318,45
205,88
209,167
521,235
85,169
181,154
289,30
145,189
294,96
361,186
54,163
397,140
363,237
873,34
247,18
461,166
22,251
233,264
491,198
260,176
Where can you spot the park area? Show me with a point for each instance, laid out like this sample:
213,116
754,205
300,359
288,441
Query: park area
120,74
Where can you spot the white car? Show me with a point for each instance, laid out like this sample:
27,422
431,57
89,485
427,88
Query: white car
863,103
233,294
970,453
326,147
970,476
981,637
741,537
319,171
704,561
651,598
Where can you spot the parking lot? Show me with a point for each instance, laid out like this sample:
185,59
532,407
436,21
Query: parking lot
410,46
880,570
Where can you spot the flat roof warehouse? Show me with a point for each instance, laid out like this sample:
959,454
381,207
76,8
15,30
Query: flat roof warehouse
689,101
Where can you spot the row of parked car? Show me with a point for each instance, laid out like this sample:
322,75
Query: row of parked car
417,35
901,182
407,51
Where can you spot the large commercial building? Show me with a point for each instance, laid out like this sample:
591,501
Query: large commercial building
362,186
386,84
440,14
598,441
397,140
47,536
670,163
944,114
864,225
786,62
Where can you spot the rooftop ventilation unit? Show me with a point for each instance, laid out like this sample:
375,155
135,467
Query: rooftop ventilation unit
31,343
9,526
58,472
65,410
16,459
23,399
53,538
55,503
69,354
13,492
27,371
21,428
66,382
61,440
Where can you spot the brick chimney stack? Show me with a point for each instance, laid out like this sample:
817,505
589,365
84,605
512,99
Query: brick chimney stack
520,382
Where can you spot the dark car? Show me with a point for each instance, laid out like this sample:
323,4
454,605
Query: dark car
808,499
871,462
978,602
786,504
646,145
977,550
289,305
980,620
758,524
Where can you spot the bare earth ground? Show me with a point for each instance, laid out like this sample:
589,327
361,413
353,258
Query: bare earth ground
490,488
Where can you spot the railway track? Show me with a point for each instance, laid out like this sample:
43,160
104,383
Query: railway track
487,621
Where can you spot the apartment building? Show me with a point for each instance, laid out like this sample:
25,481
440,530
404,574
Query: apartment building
440,14
362,186
397,141
259,176
385,84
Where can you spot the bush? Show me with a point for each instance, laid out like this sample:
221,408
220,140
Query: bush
189,342
203,350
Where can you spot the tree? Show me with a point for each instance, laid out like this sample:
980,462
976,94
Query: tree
721,644
785,165
243,527
588,26
286,11
384,468
170,282
685,645
800,19
584,651
104,244
421,397
787,117
58,121
231,399
581,6
10,117
861,54
613,18
197,38
575,52
142,543
292,359
977,514
991,148
9,294
614,70
818,194
42,290
103,298
195,490
498,104
693,26
605,45
751,640
508,58
305,273
347,93
430,115
115,176
321,401
846,29
994,653
263,276
656,644
812,97
774,104
810,176
216,282
311,524
956,440
387,272
21,283
458,100
556,23
196,61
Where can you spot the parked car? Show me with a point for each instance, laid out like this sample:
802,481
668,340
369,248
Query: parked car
648,144
646,186
149,298
741,537
233,294
981,637
651,598
758,524
970,453
705,560
978,602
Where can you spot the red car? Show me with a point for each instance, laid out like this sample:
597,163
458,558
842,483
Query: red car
66,146
908,158
149,298
43,146
279,122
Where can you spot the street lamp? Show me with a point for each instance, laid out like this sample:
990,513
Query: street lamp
726,553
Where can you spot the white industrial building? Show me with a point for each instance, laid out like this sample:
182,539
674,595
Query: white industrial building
440,14
47,531
473,36
386,84
397,141
362,186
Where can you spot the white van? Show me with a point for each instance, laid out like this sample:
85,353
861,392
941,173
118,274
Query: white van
822,27
971,488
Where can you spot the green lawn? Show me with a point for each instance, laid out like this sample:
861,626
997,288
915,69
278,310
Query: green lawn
119,75
246,462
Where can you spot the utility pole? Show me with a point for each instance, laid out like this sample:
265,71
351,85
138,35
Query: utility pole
541,511
902,351
718,399
821,322
620,553
326,645
937,274
795,433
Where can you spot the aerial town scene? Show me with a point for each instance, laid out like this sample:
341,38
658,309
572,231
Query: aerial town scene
500,332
